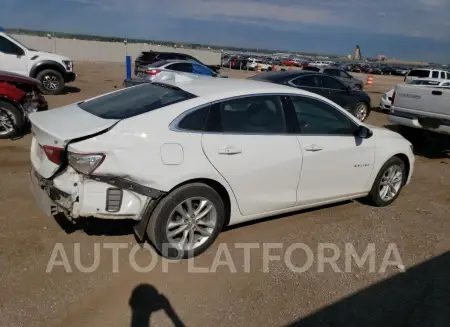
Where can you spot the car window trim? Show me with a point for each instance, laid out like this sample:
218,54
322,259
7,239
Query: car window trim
289,122
297,131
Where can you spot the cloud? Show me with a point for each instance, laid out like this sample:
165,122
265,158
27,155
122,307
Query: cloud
424,18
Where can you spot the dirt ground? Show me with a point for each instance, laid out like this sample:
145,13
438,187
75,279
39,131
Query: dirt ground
171,294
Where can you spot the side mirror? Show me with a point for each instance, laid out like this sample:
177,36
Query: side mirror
363,132
348,89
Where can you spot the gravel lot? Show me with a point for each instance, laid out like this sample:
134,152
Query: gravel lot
418,223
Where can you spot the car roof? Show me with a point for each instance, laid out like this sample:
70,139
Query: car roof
220,88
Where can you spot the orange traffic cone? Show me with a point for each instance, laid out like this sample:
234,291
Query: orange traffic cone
369,81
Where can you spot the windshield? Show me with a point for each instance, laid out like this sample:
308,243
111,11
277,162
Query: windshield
18,42
135,100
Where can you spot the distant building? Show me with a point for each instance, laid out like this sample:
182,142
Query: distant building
381,57
357,53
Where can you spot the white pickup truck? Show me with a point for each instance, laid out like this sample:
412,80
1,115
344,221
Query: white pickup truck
53,71
425,107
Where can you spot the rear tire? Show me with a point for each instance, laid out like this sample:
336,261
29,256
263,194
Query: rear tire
375,196
52,81
174,210
10,116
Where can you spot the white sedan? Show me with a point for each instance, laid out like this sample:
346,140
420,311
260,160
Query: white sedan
386,100
186,158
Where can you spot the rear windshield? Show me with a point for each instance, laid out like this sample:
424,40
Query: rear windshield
310,68
419,73
134,101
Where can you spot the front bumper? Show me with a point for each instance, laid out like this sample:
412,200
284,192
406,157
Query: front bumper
100,196
69,77
385,104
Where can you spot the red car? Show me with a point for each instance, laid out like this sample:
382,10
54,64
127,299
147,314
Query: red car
19,96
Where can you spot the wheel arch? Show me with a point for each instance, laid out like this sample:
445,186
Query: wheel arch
216,186
46,64
403,157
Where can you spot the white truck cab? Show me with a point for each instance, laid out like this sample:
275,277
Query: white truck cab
52,70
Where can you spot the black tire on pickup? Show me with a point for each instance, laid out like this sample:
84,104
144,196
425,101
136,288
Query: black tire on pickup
10,115
52,81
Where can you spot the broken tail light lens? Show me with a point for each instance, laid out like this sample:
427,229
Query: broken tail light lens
153,72
85,163
53,153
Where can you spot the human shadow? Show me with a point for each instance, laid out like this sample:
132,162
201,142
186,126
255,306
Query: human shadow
426,143
145,299
418,297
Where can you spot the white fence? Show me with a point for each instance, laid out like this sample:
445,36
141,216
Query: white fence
107,51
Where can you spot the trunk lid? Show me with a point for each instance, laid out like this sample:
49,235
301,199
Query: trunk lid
53,130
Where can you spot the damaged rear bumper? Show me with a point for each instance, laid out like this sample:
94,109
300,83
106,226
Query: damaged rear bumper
104,197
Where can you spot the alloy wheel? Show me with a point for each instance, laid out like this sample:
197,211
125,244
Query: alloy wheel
390,183
191,223
361,111
6,122
50,82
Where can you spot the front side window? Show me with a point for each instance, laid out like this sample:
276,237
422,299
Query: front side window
248,115
435,74
344,74
443,75
8,47
332,83
319,118
331,72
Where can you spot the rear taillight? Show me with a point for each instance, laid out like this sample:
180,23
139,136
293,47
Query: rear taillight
393,98
53,153
85,163
153,72
404,80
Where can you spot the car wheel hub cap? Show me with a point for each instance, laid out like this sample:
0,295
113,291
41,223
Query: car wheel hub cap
50,82
390,183
6,122
191,223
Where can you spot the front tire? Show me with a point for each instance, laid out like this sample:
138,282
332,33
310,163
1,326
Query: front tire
389,182
187,221
361,111
52,82
11,120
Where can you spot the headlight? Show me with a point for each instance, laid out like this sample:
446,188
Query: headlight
385,96
68,64
85,163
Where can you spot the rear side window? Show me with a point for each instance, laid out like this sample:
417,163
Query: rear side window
195,120
443,75
158,63
134,101
421,73
202,70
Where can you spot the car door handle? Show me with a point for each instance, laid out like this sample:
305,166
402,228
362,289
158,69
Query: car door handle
436,92
229,150
313,147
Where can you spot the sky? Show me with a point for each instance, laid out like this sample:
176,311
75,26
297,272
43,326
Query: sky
407,29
